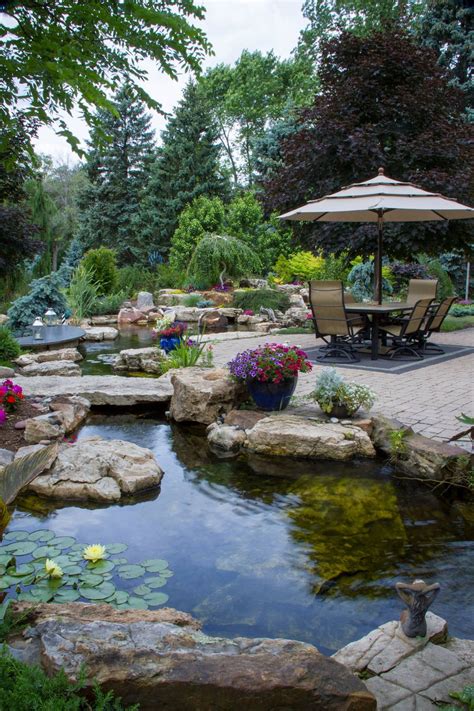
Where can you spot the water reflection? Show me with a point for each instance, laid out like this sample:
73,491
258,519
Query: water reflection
312,553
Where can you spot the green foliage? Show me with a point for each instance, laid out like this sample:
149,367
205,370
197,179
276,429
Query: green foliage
445,285
188,355
64,55
332,390
457,324
301,266
132,279
109,304
101,265
398,446
169,277
191,300
24,688
71,260
9,346
204,215
44,294
253,299
361,280
216,256
459,310
244,216
246,97
272,240
82,293
466,697
187,166
118,172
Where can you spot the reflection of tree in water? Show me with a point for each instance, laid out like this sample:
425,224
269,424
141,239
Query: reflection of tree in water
348,524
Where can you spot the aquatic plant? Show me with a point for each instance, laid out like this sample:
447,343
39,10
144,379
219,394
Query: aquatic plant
58,569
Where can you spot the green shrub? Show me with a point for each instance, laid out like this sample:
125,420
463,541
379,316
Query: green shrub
301,266
44,294
169,277
436,271
191,299
204,215
361,280
459,310
28,688
219,256
102,265
255,298
109,304
132,279
9,346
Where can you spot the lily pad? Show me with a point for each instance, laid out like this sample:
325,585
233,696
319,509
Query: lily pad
116,547
15,536
120,561
7,581
63,542
67,595
156,598
41,536
137,603
142,590
21,570
121,597
166,573
79,547
21,547
101,592
102,566
5,558
42,594
155,565
46,552
26,597
91,580
129,572
72,569
155,582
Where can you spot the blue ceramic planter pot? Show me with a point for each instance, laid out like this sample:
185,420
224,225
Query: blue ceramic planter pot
169,344
272,396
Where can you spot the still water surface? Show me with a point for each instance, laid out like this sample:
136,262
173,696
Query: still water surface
311,552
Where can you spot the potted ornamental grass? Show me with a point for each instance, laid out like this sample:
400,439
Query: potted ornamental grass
270,373
169,333
338,398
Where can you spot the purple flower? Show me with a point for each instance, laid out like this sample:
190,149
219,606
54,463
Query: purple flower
3,416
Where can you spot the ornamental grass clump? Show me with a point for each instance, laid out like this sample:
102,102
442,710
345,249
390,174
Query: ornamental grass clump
270,363
332,391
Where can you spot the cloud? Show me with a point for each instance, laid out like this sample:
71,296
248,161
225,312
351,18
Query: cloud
231,27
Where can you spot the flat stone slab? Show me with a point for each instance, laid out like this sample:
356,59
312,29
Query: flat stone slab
102,389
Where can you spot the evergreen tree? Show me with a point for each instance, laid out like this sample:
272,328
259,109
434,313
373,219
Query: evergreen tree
187,166
117,174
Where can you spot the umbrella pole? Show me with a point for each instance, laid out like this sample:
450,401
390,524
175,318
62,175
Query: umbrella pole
378,262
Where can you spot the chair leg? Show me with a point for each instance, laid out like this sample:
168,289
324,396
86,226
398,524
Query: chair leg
332,351
400,348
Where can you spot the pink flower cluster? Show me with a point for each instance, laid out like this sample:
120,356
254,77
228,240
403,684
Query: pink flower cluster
10,396
271,363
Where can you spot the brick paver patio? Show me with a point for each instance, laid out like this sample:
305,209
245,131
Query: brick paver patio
427,399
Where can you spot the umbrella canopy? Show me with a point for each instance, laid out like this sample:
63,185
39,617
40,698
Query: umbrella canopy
380,200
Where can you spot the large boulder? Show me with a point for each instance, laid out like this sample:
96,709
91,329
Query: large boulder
225,439
71,354
212,321
148,360
292,436
99,470
163,660
203,394
101,333
74,411
145,300
6,372
52,367
130,315
295,316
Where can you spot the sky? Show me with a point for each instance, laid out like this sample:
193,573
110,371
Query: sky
231,26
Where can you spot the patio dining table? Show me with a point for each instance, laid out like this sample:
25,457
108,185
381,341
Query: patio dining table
375,311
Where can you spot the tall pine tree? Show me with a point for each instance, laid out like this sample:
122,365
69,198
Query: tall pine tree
117,173
187,166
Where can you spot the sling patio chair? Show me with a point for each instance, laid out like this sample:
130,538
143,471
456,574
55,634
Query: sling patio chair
421,289
339,330
433,323
406,335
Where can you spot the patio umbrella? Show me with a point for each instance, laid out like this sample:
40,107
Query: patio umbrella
380,200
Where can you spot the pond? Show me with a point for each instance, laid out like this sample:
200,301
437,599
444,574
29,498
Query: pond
311,552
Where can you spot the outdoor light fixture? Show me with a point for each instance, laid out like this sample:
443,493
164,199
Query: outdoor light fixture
51,318
38,329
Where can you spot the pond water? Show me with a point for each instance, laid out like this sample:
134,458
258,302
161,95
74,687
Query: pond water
311,552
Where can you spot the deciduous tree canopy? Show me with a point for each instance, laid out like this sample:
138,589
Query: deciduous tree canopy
384,101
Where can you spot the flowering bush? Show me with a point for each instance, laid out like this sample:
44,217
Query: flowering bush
248,312
176,330
272,362
10,396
